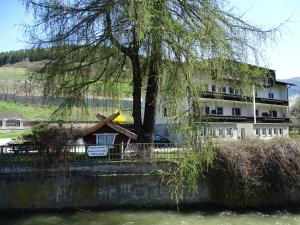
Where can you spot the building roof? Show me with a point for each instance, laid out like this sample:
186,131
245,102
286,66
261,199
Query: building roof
284,83
108,121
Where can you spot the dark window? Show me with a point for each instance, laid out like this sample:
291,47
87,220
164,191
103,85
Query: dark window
213,88
224,89
229,131
271,95
207,110
257,131
165,111
221,132
265,114
264,131
280,131
214,112
236,111
219,110
257,112
270,131
275,131
231,90
274,113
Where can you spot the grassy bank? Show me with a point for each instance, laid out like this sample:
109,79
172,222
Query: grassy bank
12,74
13,134
45,112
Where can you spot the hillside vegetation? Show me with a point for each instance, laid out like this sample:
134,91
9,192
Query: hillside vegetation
44,112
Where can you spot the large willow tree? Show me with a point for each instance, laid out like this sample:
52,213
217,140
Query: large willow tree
163,46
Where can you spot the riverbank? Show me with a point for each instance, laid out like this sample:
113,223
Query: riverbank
242,175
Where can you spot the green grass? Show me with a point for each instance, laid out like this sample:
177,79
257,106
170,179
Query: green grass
34,112
13,134
12,74
41,112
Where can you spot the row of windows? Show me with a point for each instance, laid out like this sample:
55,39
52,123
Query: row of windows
234,91
268,131
219,132
223,89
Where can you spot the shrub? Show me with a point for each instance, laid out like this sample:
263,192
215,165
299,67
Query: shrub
250,173
51,141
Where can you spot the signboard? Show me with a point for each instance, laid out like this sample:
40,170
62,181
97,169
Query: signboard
94,151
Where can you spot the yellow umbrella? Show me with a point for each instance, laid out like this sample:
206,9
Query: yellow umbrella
120,119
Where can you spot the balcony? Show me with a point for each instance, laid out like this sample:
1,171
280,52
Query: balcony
233,97
245,119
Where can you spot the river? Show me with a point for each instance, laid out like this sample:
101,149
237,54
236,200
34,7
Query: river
155,218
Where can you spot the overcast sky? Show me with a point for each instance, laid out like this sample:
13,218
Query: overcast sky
283,56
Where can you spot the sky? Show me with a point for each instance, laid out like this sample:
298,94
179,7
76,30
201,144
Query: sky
282,56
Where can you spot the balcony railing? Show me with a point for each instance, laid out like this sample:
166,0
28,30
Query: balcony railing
234,97
260,119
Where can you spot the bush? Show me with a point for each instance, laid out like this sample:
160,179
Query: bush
51,140
250,173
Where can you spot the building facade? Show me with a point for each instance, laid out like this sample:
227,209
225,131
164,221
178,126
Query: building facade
232,113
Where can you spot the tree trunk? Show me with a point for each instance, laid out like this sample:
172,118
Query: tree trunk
136,95
153,78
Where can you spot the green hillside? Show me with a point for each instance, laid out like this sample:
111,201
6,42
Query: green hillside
41,112
12,73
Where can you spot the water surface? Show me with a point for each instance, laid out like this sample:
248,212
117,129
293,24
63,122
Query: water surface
154,218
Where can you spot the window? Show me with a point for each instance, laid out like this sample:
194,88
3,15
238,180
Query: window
264,131
219,111
236,91
229,132
206,110
219,89
212,132
224,89
274,113
257,131
236,111
283,115
231,90
275,131
106,139
221,132
213,88
271,95
280,131
257,112
270,131
213,112
165,112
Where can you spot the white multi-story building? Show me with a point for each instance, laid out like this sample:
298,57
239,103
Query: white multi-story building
235,114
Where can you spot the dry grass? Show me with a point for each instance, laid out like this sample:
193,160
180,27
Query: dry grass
251,173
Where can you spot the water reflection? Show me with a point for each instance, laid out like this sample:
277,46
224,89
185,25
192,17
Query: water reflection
155,218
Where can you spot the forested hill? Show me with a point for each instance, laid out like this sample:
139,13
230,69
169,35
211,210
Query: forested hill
32,55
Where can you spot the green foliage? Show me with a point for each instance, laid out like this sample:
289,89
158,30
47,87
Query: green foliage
188,169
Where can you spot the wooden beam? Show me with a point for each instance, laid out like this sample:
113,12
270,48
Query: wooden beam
104,121
117,128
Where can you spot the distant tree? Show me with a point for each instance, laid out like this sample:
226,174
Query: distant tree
165,44
295,112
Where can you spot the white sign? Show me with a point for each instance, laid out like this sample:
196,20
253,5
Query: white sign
99,150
